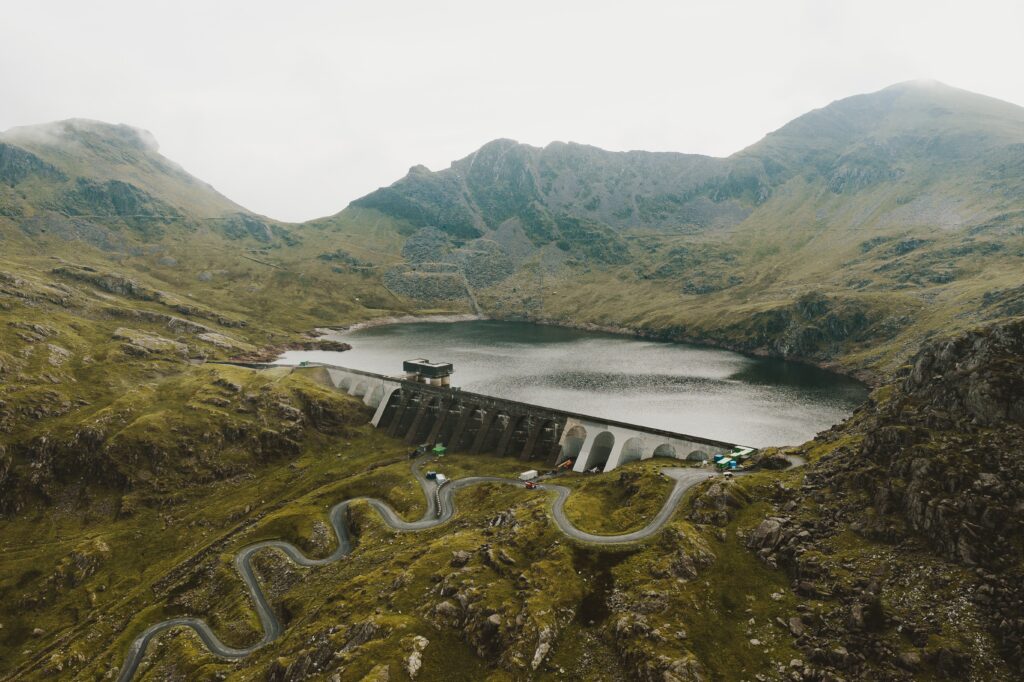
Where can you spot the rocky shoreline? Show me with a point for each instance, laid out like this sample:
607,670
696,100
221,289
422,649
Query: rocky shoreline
324,332
272,353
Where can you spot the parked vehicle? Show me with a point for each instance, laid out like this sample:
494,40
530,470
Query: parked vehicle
431,475
530,485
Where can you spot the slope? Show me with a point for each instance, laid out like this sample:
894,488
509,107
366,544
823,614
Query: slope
900,213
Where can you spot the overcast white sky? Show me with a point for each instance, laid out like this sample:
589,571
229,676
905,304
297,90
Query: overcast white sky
294,109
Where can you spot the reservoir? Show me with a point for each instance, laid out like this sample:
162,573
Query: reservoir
678,387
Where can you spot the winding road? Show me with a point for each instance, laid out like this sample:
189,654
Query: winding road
435,515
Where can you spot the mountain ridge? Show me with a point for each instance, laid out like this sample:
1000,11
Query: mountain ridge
132,468
691,187
914,196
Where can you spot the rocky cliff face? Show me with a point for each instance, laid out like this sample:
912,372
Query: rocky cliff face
506,183
977,376
945,452
936,461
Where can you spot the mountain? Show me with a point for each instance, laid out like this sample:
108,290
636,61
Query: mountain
846,238
882,235
920,129
877,206
109,186
108,153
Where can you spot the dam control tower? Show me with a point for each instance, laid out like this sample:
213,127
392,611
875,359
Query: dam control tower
423,371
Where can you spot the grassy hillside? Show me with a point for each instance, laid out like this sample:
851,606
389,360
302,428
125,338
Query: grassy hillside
132,469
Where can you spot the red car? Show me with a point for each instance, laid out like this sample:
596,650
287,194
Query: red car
530,485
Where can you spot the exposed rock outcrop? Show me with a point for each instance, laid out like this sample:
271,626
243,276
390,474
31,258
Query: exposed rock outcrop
936,457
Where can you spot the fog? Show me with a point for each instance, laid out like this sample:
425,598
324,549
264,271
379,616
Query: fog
293,111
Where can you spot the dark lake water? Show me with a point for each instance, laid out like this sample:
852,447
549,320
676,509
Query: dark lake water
690,389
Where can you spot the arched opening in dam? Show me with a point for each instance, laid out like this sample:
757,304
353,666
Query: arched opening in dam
632,450
574,439
601,450
664,450
375,395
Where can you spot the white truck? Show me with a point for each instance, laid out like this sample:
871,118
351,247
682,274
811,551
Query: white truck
528,475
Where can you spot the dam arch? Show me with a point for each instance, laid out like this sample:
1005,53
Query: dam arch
601,450
665,450
632,450
375,395
572,443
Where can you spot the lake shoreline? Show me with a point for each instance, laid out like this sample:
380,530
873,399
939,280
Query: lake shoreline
866,377
398,319
869,379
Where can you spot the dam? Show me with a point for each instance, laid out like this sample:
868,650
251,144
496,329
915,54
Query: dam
421,410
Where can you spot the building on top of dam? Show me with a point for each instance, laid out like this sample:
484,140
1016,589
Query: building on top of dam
423,371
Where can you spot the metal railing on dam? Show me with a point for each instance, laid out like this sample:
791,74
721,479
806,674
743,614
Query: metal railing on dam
474,422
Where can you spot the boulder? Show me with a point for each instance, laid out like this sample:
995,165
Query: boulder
415,659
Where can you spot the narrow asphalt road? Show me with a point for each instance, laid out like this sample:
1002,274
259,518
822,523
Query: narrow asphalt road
685,479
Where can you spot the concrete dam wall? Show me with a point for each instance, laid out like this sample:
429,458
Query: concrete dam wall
472,422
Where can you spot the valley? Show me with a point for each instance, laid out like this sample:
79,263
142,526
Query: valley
881,236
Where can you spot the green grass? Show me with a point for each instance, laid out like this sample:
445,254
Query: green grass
616,502
738,588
